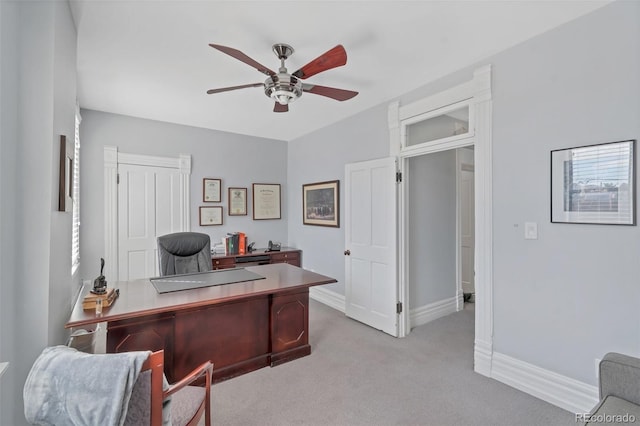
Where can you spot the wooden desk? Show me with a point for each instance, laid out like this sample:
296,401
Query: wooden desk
240,327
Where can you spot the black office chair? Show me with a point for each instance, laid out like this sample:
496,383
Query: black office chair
183,253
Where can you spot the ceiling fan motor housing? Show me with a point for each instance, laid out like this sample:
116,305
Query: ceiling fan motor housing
283,88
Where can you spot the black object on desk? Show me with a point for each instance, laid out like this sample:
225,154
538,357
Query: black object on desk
100,283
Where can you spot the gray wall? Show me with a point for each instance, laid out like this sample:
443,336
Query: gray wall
567,298
237,159
321,156
432,221
38,97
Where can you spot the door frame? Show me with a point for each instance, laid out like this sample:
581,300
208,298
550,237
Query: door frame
478,93
461,167
112,157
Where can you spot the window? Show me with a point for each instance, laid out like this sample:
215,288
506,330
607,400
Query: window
450,123
75,228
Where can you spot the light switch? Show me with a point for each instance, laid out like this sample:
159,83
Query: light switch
530,231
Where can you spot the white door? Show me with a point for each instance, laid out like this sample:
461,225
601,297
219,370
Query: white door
149,205
370,244
467,228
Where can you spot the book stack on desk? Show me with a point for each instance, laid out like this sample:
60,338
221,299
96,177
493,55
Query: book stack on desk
235,243
89,301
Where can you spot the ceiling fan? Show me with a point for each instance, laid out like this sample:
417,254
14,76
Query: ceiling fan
285,88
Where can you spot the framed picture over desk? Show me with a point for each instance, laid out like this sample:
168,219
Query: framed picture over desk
266,201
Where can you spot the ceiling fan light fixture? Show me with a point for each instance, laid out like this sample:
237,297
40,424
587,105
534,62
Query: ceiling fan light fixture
283,88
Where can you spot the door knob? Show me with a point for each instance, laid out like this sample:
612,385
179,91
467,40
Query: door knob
347,252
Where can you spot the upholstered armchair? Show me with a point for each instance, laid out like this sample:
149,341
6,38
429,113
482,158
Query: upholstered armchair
67,387
619,391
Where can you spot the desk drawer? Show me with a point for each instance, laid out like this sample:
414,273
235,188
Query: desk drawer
292,258
224,262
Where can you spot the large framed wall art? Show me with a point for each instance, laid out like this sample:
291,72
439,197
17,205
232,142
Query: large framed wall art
321,204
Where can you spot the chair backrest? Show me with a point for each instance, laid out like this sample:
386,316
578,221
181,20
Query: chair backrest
183,253
145,405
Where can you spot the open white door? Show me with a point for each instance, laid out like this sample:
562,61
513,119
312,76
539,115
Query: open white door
370,244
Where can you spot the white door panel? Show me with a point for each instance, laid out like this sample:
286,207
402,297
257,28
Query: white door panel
370,238
148,206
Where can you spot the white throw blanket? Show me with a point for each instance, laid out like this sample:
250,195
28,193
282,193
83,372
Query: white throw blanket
68,387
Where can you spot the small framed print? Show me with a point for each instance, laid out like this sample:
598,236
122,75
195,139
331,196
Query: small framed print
237,201
210,215
211,190
266,201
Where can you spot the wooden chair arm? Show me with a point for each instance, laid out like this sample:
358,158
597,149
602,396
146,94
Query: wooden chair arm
205,368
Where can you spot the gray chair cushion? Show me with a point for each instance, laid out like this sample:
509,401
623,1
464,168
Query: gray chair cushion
183,253
185,403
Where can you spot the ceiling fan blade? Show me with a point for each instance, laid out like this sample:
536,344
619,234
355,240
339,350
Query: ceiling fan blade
333,58
329,92
242,57
226,89
278,107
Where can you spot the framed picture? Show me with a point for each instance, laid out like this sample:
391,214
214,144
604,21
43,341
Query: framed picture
321,204
237,201
594,184
211,190
266,201
65,178
210,215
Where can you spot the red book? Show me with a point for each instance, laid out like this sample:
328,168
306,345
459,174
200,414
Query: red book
241,243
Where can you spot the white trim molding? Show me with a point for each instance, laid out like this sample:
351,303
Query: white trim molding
111,211
432,311
564,392
112,157
483,194
328,297
477,93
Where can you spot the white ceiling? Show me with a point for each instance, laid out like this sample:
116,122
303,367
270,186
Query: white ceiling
151,59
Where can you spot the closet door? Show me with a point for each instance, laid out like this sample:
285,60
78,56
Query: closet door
148,206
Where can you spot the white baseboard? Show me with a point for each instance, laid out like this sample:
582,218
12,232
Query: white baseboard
432,311
328,297
556,389
482,353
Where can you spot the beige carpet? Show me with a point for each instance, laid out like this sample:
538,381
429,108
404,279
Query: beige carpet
356,375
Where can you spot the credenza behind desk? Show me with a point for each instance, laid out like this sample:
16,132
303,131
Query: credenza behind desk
240,327
258,257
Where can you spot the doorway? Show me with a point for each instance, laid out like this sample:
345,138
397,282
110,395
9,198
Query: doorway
439,233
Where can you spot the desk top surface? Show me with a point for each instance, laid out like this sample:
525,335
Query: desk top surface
139,297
